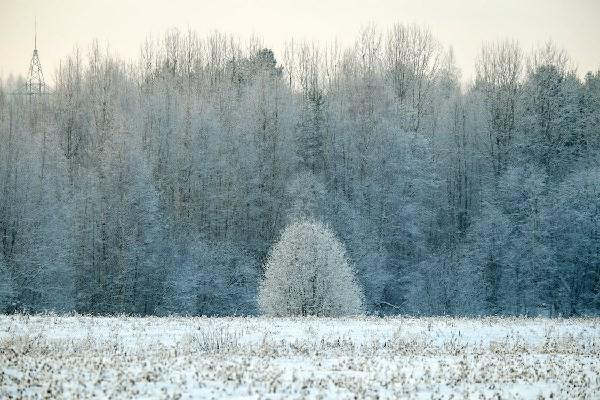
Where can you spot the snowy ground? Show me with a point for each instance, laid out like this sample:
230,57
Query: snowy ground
68,357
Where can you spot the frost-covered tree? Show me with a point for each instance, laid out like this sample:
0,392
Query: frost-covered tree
210,279
307,273
499,68
551,117
6,287
573,222
160,185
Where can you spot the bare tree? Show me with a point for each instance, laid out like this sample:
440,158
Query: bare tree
499,69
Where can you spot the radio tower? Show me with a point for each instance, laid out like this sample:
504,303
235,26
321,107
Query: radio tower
35,84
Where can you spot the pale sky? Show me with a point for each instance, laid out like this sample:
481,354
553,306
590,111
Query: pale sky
123,24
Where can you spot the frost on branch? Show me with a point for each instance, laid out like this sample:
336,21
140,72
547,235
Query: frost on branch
6,288
308,273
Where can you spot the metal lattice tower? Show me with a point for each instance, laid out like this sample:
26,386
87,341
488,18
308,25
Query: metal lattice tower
35,84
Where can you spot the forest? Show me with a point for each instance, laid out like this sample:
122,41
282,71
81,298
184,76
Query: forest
158,185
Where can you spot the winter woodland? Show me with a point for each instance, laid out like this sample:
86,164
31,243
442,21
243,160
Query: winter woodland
179,182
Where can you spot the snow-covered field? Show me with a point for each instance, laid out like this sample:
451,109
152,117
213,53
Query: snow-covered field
71,357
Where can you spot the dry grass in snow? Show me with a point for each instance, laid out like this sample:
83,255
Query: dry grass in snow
123,357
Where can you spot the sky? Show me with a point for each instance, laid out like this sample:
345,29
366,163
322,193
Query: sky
122,25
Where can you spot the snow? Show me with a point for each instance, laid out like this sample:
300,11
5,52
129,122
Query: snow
177,357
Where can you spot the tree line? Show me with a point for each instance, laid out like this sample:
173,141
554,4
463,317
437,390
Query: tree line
159,186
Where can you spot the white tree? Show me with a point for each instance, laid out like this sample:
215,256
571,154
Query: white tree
307,273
